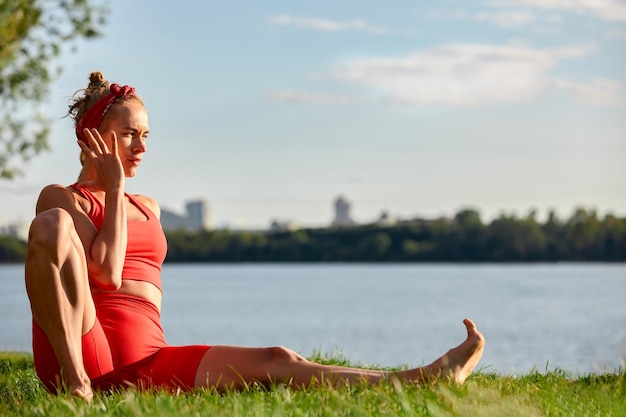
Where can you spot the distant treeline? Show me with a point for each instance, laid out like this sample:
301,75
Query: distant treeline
12,249
464,238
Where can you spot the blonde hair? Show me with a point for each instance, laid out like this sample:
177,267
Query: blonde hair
83,99
97,88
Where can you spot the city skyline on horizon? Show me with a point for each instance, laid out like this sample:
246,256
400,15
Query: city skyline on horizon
385,217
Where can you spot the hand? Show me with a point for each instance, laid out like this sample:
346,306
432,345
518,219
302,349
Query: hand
109,168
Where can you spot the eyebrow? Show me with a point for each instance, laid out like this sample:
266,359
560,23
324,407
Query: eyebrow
135,130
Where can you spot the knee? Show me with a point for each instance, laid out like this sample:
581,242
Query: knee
50,228
282,354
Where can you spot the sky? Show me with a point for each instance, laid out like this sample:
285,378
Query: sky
271,110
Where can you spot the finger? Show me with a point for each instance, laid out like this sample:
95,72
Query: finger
100,141
93,144
86,149
114,144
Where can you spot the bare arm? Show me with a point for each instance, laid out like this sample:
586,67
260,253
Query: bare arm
105,260
105,257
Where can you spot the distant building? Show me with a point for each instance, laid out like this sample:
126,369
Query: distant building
197,217
386,219
342,213
283,226
18,230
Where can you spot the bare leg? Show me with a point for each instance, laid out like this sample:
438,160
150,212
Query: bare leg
233,367
458,363
58,289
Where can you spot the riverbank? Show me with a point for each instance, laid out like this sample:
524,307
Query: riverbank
553,393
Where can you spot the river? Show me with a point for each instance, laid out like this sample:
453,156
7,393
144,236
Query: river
534,316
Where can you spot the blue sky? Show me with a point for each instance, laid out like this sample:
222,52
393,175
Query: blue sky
270,110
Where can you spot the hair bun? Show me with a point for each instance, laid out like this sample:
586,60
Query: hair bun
96,79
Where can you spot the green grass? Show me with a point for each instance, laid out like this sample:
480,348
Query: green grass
554,393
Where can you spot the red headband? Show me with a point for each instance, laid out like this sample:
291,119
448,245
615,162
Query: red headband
93,117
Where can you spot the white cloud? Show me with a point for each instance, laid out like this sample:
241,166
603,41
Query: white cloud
506,19
604,9
576,51
459,75
327,25
299,97
599,91
616,34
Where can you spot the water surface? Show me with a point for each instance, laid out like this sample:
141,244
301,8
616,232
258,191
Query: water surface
534,316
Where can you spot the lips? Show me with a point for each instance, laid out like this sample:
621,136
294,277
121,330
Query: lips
135,161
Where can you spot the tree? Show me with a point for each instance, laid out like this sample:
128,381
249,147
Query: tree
373,247
469,234
614,236
32,34
583,231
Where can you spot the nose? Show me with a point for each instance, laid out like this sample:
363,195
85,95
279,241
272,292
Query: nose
139,145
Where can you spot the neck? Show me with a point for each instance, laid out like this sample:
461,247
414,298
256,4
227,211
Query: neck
87,173
89,176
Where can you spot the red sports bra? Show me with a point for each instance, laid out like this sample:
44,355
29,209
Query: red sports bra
146,247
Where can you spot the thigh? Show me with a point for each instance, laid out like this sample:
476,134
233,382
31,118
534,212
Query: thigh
170,368
56,268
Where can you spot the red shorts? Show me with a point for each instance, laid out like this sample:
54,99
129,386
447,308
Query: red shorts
126,347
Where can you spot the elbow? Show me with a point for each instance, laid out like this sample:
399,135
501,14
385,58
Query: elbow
114,280
107,280
111,286
107,287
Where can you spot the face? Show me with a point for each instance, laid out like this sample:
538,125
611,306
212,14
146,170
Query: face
130,122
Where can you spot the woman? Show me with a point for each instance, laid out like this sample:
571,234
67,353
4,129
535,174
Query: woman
93,280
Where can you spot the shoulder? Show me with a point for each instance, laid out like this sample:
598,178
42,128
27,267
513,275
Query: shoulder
150,203
53,189
56,195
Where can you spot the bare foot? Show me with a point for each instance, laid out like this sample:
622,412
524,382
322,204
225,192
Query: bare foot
458,363
85,393
80,387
